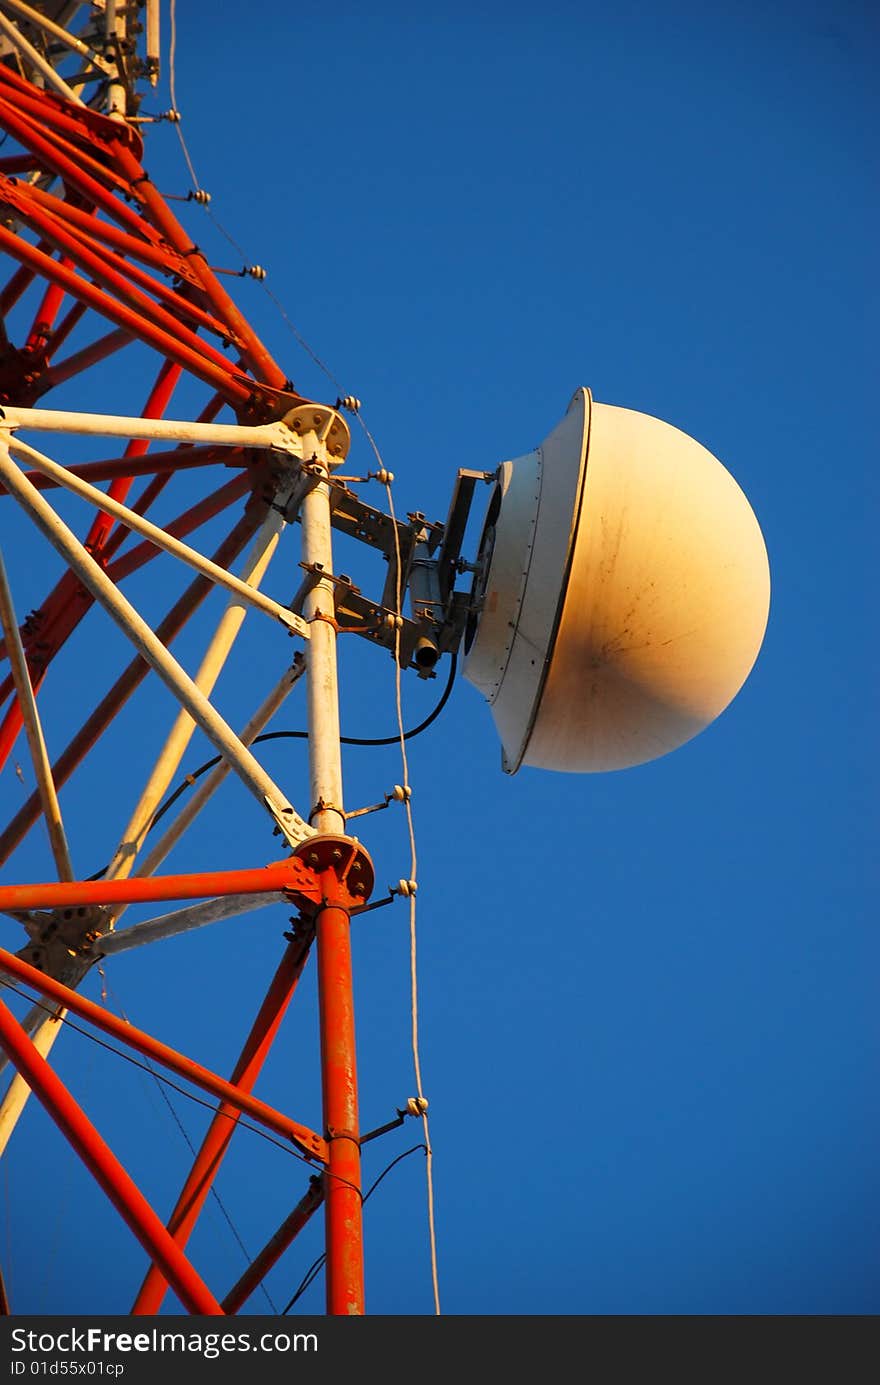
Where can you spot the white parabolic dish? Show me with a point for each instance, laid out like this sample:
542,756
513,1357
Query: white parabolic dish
625,593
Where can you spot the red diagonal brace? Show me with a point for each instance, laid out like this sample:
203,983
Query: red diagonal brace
300,1135
126,1197
213,1148
275,1248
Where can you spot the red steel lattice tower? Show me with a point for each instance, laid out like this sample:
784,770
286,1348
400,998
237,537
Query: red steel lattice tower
104,276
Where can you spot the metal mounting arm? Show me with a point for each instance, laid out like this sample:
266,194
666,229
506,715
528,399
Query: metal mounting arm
429,556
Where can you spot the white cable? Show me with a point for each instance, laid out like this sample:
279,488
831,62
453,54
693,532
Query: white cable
411,894
173,91
411,883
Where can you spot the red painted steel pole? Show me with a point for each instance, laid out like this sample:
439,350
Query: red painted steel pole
220,1131
102,1162
343,1214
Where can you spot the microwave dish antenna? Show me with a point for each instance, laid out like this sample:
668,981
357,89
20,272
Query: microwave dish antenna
621,595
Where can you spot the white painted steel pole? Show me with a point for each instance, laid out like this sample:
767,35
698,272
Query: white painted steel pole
251,773
322,689
115,30
33,730
153,41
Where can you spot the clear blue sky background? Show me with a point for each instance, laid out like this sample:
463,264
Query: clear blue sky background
648,999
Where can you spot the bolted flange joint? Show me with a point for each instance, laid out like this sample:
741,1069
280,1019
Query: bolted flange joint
326,424
344,868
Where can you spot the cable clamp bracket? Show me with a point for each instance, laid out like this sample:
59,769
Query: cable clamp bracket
401,793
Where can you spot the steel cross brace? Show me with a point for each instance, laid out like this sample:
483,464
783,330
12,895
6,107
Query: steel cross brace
307,1141
328,876
301,877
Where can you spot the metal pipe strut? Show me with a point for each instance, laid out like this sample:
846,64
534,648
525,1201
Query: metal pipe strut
27,50
183,920
213,660
207,1162
343,1196
68,603
254,353
193,518
154,463
136,629
21,114
275,435
306,1140
75,239
42,21
160,537
18,1092
290,875
127,683
203,794
34,730
102,1162
343,1217
236,389
275,1248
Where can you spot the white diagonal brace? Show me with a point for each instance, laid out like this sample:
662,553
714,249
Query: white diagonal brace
33,730
35,1017
182,920
18,1090
179,736
42,21
264,435
209,786
249,770
132,520
27,50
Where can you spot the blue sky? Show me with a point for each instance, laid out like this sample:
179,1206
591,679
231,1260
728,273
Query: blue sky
647,999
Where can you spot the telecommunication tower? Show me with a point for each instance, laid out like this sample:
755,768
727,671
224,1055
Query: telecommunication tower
615,605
